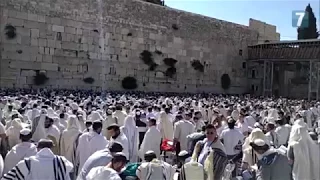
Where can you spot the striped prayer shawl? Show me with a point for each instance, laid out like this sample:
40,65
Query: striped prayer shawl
220,161
23,171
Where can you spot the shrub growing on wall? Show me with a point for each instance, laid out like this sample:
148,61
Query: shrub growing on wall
225,81
40,78
170,72
10,31
88,80
129,83
147,58
197,65
170,62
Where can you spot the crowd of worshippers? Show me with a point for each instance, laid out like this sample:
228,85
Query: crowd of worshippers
84,135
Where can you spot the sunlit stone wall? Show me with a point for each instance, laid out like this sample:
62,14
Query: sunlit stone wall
74,39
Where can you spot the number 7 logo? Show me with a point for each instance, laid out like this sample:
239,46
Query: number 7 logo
300,19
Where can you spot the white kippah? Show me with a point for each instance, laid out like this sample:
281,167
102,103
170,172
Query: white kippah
183,153
259,142
25,131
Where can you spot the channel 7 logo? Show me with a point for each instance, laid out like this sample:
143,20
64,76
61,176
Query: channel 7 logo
300,19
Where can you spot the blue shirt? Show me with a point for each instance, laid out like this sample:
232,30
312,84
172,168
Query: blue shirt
99,158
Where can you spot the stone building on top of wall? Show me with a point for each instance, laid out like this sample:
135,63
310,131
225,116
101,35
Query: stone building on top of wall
73,40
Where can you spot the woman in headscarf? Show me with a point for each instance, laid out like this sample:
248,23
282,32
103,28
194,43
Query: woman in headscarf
13,132
165,126
131,131
303,153
68,138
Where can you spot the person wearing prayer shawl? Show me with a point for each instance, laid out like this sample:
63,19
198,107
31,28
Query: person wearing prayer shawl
249,156
130,130
68,139
107,122
165,126
118,136
282,132
141,124
44,165
182,129
271,164
88,125
109,171
53,133
211,153
82,125
271,135
56,122
63,119
20,151
303,154
190,170
37,119
120,115
152,140
154,168
99,158
13,132
89,143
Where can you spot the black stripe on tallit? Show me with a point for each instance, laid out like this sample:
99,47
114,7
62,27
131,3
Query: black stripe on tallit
60,166
19,173
63,165
54,169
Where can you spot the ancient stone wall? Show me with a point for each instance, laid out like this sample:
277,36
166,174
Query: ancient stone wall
267,32
74,39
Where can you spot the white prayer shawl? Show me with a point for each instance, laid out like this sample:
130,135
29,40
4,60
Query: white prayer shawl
124,142
131,132
54,132
106,123
151,142
306,154
102,173
1,166
95,115
40,132
182,129
192,171
89,143
18,153
68,138
156,170
121,117
13,132
56,122
165,126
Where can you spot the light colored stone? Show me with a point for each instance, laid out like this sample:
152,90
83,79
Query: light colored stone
57,28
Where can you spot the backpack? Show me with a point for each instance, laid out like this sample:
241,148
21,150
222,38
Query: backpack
58,166
131,169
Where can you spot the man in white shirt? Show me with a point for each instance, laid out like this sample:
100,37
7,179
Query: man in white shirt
232,139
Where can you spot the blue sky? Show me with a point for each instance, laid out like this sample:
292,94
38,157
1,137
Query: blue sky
276,12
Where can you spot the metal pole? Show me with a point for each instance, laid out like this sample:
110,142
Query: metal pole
271,85
310,76
264,77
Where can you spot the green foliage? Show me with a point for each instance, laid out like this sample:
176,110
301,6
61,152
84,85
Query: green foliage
88,80
147,58
225,81
10,31
170,62
40,78
129,83
309,31
197,65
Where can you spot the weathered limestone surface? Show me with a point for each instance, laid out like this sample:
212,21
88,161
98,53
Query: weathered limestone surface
74,39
